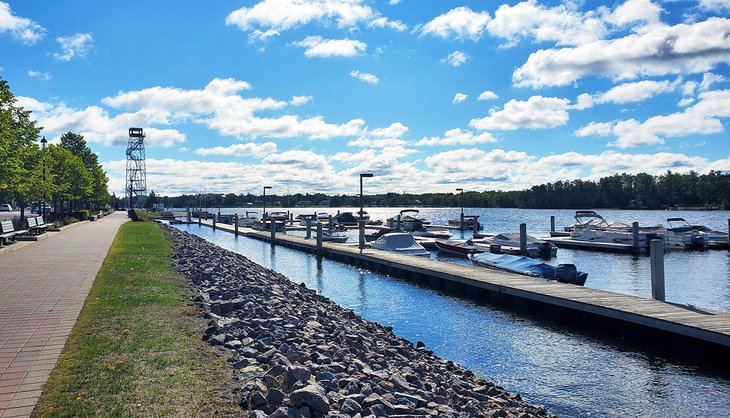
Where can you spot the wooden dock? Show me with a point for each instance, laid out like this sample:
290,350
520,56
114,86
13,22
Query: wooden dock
625,314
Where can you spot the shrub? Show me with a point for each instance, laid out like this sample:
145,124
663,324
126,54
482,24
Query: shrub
81,215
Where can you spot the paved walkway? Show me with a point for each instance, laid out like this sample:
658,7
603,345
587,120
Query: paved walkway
42,289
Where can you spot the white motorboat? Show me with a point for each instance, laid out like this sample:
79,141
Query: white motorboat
433,231
248,220
323,216
407,220
717,239
681,235
400,242
311,218
590,226
334,235
469,222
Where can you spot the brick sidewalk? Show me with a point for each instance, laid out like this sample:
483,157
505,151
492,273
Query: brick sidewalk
42,289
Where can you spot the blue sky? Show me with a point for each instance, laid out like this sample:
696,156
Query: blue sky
428,95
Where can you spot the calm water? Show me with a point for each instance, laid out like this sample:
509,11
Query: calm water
571,373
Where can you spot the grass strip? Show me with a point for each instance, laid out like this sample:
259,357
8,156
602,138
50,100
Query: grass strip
135,349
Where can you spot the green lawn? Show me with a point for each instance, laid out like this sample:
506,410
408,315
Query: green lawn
136,348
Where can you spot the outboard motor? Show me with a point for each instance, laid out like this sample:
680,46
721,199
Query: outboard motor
698,243
495,249
566,273
546,250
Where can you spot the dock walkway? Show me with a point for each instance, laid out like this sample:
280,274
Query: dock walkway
43,286
671,319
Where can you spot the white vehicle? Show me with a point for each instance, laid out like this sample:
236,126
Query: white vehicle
5,207
590,226
681,235
400,242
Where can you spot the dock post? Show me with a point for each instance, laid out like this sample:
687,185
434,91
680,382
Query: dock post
361,228
523,239
476,224
291,218
657,269
214,221
309,227
398,224
329,223
273,232
728,234
235,224
188,213
319,238
635,230
200,222
552,223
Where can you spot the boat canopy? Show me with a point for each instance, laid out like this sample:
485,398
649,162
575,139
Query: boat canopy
398,241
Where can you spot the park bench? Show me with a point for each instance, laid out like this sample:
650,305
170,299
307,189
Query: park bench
7,232
36,225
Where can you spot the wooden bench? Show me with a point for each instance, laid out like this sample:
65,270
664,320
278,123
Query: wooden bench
36,225
7,232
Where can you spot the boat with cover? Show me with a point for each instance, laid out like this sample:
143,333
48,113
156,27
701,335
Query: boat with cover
334,235
458,247
509,243
563,273
681,235
346,219
400,242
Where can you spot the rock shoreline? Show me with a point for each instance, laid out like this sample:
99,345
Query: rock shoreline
298,354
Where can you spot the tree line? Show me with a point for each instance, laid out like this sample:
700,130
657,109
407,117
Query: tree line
620,191
67,174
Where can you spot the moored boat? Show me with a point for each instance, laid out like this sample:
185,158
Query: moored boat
458,247
563,273
400,242
681,235
509,243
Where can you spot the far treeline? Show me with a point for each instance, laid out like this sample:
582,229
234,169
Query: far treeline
621,191
67,175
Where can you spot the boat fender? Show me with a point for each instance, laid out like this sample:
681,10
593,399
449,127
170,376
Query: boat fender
566,273
495,249
545,250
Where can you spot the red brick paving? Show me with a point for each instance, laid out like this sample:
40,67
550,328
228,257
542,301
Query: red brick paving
42,289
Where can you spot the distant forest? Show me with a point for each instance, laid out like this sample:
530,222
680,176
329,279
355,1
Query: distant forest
621,191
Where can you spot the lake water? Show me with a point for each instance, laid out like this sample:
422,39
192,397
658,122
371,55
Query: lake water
571,372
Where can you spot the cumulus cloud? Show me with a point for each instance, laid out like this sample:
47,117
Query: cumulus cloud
384,22
537,112
715,5
456,58
281,15
700,119
487,95
458,23
20,28
631,92
74,46
659,50
456,137
635,11
240,150
40,75
708,79
300,100
316,46
459,98
561,24
366,77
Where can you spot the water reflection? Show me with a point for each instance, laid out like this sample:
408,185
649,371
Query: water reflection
571,372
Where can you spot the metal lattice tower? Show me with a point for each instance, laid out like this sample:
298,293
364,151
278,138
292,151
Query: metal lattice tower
136,182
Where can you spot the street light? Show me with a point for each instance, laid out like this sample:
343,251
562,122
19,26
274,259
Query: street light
263,216
362,223
43,167
461,222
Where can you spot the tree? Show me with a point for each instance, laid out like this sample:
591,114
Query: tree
72,181
152,200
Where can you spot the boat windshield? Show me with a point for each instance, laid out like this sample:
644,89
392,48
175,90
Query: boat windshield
586,219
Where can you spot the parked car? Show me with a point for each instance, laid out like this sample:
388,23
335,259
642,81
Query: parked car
37,207
5,207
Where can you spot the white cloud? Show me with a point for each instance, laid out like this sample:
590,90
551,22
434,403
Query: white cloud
39,74
366,77
389,136
300,100
459,98
316,46
240,150
561,24
659,50
74,46
686,101
708,79
635,91
384,22
633,11
487,95
536,113
701,119
715,5
393,2
457,137
459,23
394,130
689,88
456,58
282,15
20,28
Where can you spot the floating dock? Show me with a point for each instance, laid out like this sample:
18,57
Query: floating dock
686,328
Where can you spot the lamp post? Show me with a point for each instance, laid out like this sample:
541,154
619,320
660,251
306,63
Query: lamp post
263,215
43,167
361,223
461,219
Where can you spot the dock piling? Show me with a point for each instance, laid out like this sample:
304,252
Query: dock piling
235,223
523,239
728,234
475,226
552,223
635,230
398,224
361,233
309,227
656,248
200,222
214,216
319,238
188,215
273,232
